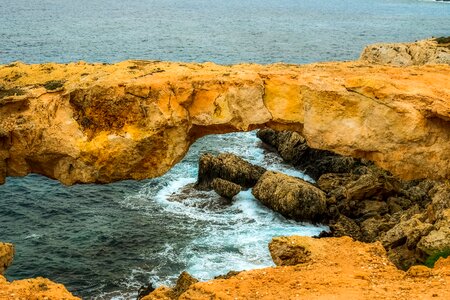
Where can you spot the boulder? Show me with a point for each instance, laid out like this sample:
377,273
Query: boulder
372,228
229,167
438,239
408,232
331,181
440,201
225,188
286,251
345,226
290,196
370,208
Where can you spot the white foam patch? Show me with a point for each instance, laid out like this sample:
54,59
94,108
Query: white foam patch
230,237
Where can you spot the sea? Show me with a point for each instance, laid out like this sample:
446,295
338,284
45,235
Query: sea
106,241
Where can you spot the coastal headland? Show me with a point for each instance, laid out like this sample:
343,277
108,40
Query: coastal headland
387,115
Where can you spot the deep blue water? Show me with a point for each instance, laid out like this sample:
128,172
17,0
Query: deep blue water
104,241
263,31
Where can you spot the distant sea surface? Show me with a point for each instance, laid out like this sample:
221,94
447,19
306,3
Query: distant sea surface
225,31
105,241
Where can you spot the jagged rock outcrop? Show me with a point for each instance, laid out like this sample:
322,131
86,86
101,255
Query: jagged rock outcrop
369,204
228,167
432,51
294,149
330,268
225,188
290,196
31,289
184,282
82,122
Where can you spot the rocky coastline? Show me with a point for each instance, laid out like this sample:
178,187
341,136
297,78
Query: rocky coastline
373,136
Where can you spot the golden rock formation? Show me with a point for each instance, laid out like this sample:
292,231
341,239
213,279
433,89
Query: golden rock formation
83,123
431,51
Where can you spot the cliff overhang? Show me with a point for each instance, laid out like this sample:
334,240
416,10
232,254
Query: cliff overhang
84,123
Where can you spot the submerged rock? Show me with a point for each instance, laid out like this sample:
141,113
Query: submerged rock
290,196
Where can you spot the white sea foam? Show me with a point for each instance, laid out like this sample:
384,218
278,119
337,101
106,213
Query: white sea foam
223,237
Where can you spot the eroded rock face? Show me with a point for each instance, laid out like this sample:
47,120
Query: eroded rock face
133,120
293,148
228,167
225,188
184,282
432,51
292,197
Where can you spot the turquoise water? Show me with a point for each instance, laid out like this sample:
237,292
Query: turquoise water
105,241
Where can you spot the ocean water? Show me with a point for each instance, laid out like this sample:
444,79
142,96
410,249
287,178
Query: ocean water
222,31
105,241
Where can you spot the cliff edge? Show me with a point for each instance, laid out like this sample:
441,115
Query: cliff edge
328,268
431,51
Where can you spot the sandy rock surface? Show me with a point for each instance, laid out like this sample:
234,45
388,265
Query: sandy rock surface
331,268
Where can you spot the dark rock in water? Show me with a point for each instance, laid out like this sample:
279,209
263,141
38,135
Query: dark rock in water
290,196
410,218
192,197
229,167
144,291
294,149
225,188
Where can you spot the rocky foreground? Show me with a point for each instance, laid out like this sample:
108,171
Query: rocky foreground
332,268
81,122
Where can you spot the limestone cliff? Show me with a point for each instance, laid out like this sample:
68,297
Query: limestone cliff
82,122
432,51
